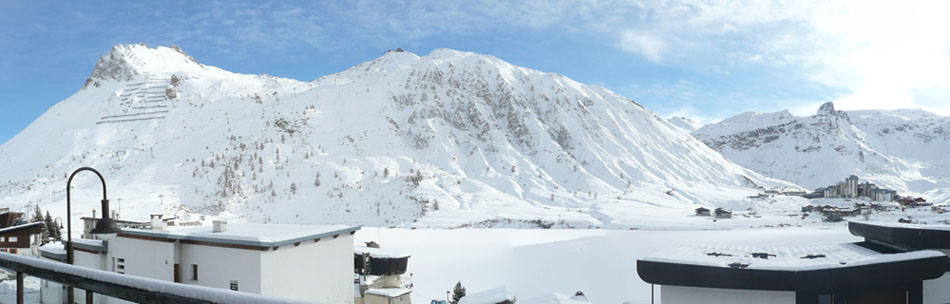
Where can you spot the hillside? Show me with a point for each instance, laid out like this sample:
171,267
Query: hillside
903,150
445,140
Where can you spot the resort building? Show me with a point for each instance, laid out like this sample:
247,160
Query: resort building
852,188
896,263
312,263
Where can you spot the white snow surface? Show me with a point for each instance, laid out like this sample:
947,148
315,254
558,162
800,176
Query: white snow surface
491,296
904,150
785,258
534,263
685,123
255,232
451,139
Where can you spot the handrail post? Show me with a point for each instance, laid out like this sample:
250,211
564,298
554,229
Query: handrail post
19,287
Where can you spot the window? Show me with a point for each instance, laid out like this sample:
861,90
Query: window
194,272
13,250
11,239
119,265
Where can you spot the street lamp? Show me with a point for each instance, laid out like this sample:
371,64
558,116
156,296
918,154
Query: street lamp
105,225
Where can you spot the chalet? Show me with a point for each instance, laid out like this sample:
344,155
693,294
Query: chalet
722,213
702,211
380,276
23,239
304,262
896,263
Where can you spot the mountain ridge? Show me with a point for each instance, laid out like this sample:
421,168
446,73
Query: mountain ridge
450,139
899,149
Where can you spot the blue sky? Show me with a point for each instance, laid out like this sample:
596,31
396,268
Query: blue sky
703,59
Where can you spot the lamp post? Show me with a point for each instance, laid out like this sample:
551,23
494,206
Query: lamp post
104,226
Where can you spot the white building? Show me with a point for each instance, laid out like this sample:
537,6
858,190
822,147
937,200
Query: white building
313,263
895,264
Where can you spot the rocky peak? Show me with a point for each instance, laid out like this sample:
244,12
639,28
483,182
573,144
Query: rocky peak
126,62
828,109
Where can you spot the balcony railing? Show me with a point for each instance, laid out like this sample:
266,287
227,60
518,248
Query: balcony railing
126,287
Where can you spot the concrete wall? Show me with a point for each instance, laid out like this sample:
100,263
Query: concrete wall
144,258
937,290
375,299
218,266
682,295
321,271
52,292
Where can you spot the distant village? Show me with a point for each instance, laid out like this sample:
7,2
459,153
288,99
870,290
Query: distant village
851,187
881,199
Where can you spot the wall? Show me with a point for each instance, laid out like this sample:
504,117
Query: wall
321,271
218,266
52,292
681,294
937,290
375,299
144,258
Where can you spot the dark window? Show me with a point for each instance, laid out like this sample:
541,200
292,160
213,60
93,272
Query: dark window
824,299
194,272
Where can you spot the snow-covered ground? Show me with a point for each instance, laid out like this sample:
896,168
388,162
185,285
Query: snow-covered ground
534,263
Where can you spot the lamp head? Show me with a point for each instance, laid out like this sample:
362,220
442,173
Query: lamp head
105,226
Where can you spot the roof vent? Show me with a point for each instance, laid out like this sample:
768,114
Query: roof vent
220,226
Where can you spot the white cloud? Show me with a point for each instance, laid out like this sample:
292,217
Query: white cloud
643,44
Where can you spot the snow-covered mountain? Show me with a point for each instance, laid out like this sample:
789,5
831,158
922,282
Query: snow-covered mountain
448,139
686,123
905,150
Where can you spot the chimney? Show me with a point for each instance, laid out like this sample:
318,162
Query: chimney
220,226
157,222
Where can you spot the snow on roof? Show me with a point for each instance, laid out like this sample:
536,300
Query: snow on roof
492,296
783,258
18,227
380,253
388,292
555,298
255,234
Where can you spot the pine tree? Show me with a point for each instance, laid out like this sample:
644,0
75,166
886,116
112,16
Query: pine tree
52,228
458,293
38,217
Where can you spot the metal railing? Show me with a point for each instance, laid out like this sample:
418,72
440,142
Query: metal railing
126,287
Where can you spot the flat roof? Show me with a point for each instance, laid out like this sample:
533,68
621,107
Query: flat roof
57,251
247,234
903,237
799,268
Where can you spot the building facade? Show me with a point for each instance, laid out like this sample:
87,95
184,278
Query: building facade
312,263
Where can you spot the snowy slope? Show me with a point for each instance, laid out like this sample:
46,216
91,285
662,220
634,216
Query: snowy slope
686,123
905,150
448,139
